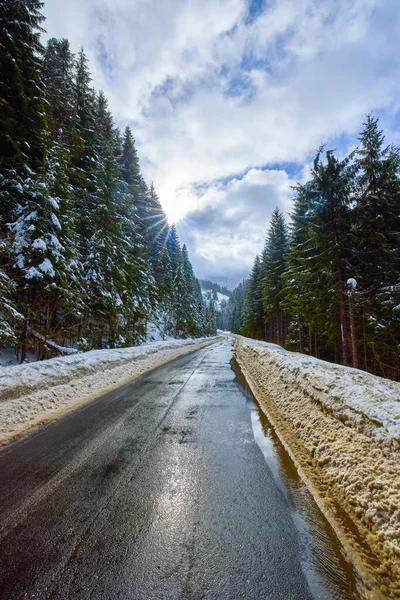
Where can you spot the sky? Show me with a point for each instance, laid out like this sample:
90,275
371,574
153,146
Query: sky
228,100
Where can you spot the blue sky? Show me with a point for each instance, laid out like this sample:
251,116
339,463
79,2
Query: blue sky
229,100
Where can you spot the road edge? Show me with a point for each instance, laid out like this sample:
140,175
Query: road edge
86,383
301,460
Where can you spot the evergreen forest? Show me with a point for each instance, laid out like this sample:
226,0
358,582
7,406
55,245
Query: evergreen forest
87,258
328,283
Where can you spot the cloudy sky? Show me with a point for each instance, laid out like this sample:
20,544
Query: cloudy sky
229,99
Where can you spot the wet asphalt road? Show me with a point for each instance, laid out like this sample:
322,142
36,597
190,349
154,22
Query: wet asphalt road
157,491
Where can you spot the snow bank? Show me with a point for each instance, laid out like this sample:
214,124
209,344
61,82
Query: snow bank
342,428
33,393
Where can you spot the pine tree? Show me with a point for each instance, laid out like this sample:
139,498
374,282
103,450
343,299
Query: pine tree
307,293
174,281
230,316
330,227
200,310
29,209
85,160
157,230
210,318
253,306
58,79
377,240
189,318
272,269
22,122
141,296
106,264
9,315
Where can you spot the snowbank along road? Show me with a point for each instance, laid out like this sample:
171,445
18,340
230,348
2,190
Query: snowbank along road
157,490
36,393
342,427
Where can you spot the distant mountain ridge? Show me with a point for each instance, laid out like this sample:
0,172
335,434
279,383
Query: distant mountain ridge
230,283
208,285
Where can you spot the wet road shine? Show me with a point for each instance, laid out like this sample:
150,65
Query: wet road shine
157,490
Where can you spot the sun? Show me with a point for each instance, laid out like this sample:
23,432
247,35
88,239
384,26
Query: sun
174,214
175,209
177,201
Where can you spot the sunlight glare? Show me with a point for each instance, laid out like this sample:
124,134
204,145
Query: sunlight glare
176,201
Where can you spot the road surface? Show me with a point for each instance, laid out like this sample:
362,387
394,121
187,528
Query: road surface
156,490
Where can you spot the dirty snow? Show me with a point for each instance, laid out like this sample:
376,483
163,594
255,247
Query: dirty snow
37,392
342,428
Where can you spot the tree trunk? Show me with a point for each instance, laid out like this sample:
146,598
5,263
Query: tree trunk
342,313
300,336
316,351
353,331
364,341
24,339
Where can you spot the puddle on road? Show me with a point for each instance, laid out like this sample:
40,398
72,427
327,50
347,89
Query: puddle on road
329,573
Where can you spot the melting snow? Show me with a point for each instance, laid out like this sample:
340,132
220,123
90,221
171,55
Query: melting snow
342,426
41,391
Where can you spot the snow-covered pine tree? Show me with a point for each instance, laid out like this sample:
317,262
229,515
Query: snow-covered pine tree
253,306
173,279
138,188
237,299
140,285
106,263
22,118
333,185
85,161
58,79
200,310
377,259
272,269
67,289
307,293
27,200
188,319
9,316
156,228
210,319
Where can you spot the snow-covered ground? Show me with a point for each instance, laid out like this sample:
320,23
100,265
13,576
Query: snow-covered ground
37,392
208,295
8,357
342,428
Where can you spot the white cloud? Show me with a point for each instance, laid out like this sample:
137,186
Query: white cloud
210,94
228,229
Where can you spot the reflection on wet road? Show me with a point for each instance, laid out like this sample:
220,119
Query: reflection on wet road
158,490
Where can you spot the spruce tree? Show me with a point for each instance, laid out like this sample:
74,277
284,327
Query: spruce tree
253,306
332,185
377,241
85,160
188,305
58,79
9,316
28,208
307,293
141,296
22,123
157,230
272,269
